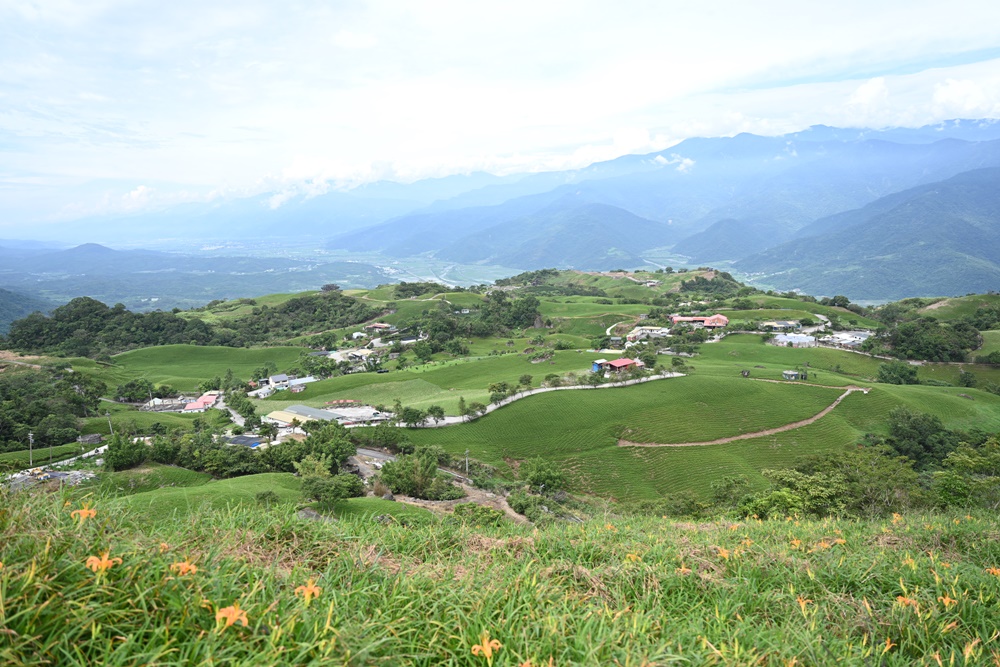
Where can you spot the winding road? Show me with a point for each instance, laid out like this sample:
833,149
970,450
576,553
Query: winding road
757,434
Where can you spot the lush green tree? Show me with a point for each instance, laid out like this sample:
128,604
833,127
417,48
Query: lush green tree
435,412
541,475
412,416
897,372
125,452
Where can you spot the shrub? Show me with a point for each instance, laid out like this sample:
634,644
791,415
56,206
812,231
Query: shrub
267,498
124,452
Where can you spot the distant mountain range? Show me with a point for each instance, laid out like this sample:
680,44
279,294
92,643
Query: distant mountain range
14,306
145,279
939,238
730,201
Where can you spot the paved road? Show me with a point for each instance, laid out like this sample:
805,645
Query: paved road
448,421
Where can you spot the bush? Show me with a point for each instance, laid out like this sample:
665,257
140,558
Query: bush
543,475
267,498
331,490
124,452
897,372
531,506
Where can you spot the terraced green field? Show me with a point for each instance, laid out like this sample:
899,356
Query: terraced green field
579,429
122,414
189,492
991,342
19,460
747,351
949,309
163,503
184,367
234,308
439,383
777,302
825,365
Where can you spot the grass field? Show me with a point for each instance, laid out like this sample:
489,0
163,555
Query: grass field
911,590
233,308
439,383
122,414
579,430
777,302
184,367
179,501
991,343
953,308
19,460
160,492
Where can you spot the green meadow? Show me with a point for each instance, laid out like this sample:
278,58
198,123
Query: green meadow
184,367
437,383
224,583
953,308
580,429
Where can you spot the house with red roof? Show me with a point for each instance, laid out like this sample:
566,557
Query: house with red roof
716,321
616,365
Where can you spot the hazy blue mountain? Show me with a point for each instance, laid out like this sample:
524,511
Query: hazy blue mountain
14,306
143,279
566,234
423,232
936,239
731,239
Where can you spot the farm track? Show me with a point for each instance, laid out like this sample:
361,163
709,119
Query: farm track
757,434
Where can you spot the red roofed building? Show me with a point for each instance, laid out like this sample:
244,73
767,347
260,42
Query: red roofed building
710,322
617,365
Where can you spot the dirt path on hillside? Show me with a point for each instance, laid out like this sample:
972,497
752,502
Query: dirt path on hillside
473,495
14,358
758,434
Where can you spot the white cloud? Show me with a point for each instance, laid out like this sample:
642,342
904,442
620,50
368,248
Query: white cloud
244,97
965,98
346,39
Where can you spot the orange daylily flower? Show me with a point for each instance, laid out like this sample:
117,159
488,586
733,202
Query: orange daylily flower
184,568
723,553
796,543
888,645
633,558
486,647
83,513
103,563
803,603
995,571
896,517
231,615
904,601
164,547
610,527
946,601
683,570
734,526
309,591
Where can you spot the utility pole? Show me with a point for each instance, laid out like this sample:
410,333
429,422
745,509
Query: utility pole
31,441
466,461
108,415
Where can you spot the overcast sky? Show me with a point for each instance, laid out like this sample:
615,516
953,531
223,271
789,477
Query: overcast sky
112,105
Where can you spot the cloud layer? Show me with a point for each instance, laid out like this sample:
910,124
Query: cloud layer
105,99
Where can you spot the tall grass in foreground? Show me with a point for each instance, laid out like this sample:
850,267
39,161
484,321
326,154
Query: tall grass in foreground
251,586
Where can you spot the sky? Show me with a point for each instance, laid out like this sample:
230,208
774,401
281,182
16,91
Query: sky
115,106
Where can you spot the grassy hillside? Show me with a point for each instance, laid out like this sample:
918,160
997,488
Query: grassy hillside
633,591
580,429
184,367
440,383
962,306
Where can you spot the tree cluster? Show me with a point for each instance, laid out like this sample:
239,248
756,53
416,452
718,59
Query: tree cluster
86,327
